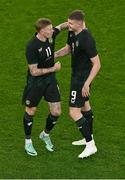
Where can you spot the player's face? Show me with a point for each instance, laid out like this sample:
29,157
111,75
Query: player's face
74,25
48,31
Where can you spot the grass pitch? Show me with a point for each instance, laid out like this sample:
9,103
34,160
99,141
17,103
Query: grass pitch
105,18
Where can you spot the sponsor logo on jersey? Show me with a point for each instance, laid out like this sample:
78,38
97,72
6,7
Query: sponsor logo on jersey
29,124
40,49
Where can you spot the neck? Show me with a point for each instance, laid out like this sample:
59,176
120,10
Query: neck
41,37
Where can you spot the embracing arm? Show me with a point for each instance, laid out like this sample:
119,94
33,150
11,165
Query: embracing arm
62,26
35,71
63,52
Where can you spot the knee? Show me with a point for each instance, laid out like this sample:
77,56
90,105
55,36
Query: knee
30,110
86,106
75,115
56,112
72,114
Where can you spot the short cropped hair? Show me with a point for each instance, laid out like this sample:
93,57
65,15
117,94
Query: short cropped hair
42,23
77,15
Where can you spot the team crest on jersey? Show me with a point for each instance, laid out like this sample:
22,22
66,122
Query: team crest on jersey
50,40
77,43
27,102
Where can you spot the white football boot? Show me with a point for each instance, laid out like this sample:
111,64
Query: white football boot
80,142
89,150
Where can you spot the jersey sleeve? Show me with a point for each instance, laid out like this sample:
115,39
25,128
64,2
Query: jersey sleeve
31,55
56,32
89,46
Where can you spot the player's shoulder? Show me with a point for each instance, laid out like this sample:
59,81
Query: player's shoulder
56,31
86,33
87,36
32,43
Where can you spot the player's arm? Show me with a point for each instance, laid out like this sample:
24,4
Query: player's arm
35,71
96,65
63,52
32,61
62,26
89,46
58,28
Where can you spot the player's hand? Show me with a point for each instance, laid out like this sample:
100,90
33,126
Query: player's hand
57,66
62,26
66,25
85,90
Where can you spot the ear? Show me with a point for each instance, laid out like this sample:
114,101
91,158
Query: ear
41,31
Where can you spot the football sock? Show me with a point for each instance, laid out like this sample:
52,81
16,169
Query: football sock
27,121
84,128
27,141
89,117
50,123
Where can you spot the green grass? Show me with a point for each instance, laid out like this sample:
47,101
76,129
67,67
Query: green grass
105,18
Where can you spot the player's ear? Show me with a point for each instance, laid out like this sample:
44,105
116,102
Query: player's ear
41,31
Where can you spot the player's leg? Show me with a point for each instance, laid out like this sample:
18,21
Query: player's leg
84,128
90,146
28,122
31,99
88,114
77,101
55,111
82,124
52,96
